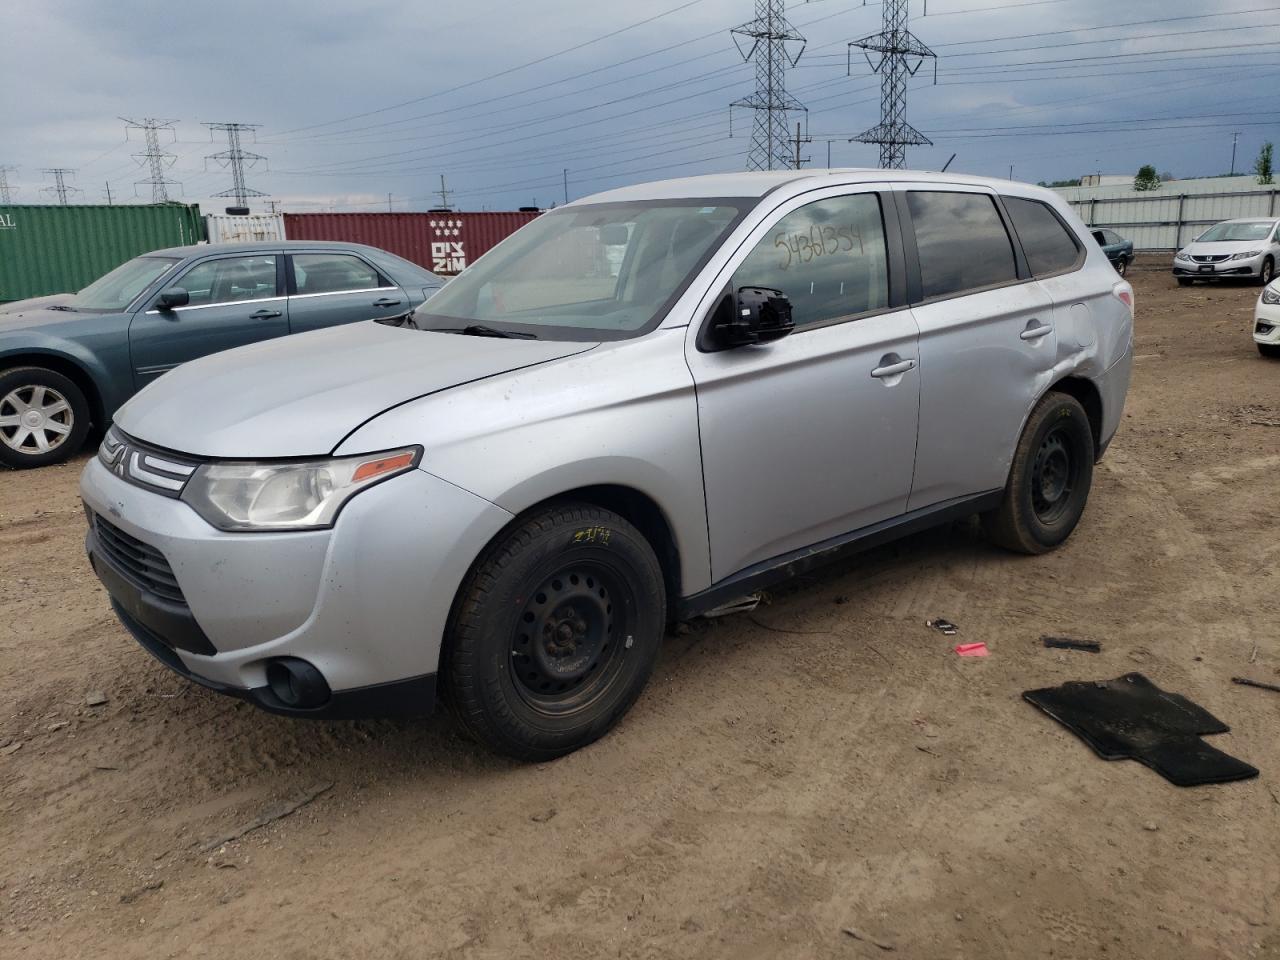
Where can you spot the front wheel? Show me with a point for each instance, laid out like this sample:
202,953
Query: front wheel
1268,271
555,632
1122,267
1049,481
1270,350
44,417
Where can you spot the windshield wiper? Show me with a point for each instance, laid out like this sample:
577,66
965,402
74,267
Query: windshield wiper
480,330
63,307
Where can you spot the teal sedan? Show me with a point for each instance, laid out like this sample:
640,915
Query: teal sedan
69,361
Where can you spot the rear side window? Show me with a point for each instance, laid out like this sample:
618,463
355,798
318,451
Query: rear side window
1048,244
962,242
332,273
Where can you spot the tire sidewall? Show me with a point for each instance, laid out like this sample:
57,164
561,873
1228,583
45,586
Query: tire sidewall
1268,272
1059,411
80,415
493,623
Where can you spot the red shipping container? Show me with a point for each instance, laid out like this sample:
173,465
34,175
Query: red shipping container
444,243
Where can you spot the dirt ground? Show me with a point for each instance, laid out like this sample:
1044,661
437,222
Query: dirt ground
824,763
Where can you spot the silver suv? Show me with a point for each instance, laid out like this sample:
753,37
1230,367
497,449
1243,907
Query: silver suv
643,406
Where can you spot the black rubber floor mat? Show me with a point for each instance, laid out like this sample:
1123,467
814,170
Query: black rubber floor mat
1131,718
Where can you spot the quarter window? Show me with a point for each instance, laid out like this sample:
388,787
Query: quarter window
230,279
962,242
829,258
1049,246
333,273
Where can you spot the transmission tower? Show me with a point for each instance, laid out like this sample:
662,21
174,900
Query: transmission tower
237,159
769,33
60,188
6,194
156,159
901,55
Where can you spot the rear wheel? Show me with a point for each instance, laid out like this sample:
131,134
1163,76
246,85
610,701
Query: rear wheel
1122,266
1271,350
1268,271
44,417
1049,481
555,632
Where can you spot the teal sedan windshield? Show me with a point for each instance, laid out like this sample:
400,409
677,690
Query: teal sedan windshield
599,272
121,286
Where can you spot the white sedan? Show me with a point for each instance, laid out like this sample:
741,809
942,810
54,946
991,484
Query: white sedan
1266,321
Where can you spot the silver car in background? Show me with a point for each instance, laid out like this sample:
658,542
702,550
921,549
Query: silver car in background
1231,250
645,405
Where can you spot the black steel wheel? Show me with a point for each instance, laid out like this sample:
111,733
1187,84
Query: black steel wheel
555,632
1049,479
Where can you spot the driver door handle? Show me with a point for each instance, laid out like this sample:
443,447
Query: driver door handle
1035,330
386,302
265,314
892,369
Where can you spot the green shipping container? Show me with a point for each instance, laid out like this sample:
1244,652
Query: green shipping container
54,249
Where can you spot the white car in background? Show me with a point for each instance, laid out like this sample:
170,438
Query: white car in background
1266,321
1231,250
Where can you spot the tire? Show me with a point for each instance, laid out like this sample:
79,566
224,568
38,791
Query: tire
554,632
1268,272
1049,480
56,434
1122,267
1270,350
1185,281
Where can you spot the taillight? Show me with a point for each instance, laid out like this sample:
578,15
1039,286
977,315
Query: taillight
1124,293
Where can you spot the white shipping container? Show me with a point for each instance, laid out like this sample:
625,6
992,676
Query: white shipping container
228,229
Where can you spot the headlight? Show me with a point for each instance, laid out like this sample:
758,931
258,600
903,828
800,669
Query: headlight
304,495
1271,295
1247,255
1182,255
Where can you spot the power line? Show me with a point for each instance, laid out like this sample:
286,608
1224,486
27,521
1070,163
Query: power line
156,159
236,158
901,55
60,187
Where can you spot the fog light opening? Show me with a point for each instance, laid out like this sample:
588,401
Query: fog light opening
296,683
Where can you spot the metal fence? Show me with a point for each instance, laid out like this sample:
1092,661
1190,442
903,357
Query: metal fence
1166,221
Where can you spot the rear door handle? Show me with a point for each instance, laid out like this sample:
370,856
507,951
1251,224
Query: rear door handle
386,302
891,367
1035,330
265,314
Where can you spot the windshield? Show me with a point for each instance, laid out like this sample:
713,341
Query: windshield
598,272
1236,231
121,286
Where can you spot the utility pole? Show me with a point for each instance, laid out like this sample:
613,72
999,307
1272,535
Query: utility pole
155,159
901,55
565,171
6,194
272,204
769,33
236,158
1234,137
107,183
388,201
828,154
1011,171
443,194
60,188
799,140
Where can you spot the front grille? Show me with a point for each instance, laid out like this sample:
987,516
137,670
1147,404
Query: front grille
1212,258
144,466
140,562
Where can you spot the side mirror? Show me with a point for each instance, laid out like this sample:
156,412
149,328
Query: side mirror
759,315
171,298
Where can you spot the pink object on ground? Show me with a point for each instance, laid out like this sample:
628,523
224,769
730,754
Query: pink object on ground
973,650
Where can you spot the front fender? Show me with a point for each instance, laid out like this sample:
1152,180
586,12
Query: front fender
105,366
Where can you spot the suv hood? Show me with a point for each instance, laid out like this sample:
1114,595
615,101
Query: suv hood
1223,247
298,396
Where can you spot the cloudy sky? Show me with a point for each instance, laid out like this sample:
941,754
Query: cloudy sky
363,100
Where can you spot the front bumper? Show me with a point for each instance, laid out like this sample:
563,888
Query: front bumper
365,603
1222,270
1266,323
